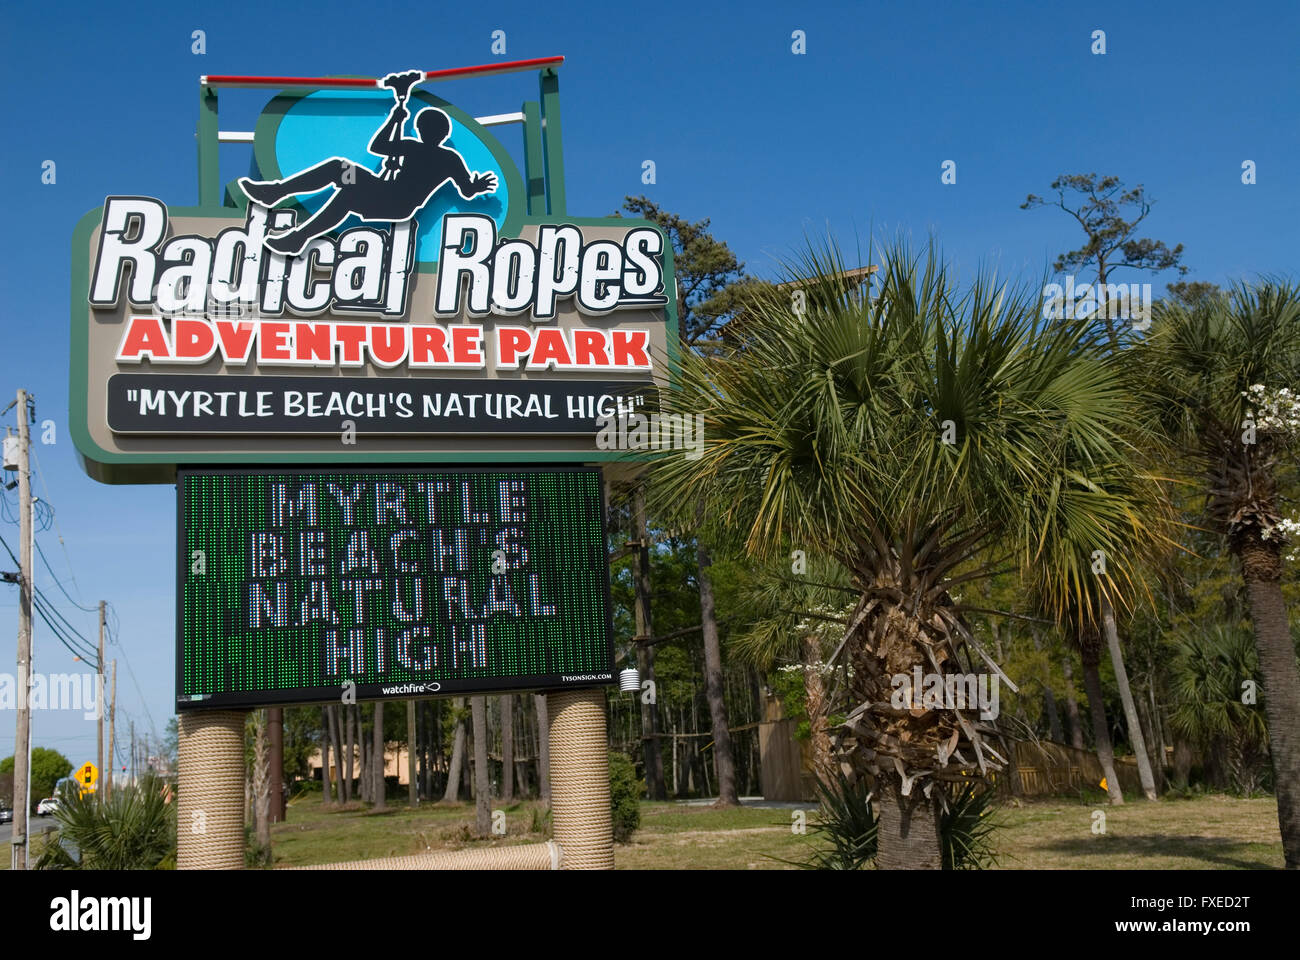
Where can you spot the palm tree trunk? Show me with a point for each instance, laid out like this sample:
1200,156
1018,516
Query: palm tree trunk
543,747
1261,566
482,787
723,762
1131,720
1090,655
908,830
1072,705
507,748
452,793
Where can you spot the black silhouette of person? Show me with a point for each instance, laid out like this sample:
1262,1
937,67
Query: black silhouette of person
413,170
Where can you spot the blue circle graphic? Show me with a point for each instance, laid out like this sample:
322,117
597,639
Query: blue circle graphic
341,123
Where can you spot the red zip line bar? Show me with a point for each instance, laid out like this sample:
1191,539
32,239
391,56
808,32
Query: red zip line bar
481,70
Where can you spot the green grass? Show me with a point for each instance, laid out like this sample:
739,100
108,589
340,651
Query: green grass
314,833
1204,833
676,837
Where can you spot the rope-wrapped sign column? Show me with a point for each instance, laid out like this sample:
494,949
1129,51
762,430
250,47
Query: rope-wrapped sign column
210,791
580,805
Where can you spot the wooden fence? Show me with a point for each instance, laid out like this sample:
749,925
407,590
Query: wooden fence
1048,768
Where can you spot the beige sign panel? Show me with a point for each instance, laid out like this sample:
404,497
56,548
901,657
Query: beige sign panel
203,346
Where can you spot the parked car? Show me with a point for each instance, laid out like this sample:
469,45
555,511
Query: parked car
6,815
47,807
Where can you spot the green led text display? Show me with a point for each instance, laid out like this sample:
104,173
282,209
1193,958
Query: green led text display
299,586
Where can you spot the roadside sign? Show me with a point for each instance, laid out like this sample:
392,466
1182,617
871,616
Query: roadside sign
304,586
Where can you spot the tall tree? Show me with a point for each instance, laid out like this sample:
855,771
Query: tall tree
377,752
452,793
325,753
723,763
482,781
1131,721
645,652
508,748
712,281
713,287
349,750
1049,698
365,775
1071,705
1109,216
1225,373
923,438
261,780
798,613
412,747
543,747
1089,641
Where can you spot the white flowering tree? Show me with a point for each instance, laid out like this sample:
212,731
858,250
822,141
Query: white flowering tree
1224,374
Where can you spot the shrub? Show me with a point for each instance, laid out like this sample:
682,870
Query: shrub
134,830
625,796
847,827
848,822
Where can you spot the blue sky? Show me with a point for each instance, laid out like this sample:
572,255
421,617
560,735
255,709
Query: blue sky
849,137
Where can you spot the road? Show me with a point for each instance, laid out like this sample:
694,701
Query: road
35,823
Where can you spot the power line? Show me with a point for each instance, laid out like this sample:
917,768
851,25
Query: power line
43,606
139,693
66,622
58,533
59,583
47,518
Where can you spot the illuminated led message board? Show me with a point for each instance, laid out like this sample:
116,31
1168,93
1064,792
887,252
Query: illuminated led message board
299,586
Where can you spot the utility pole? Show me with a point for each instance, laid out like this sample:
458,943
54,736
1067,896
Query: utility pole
99,699
112,729
23,731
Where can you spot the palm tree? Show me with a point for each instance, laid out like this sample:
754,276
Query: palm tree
1207,670
134,829
923,439
1228,368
